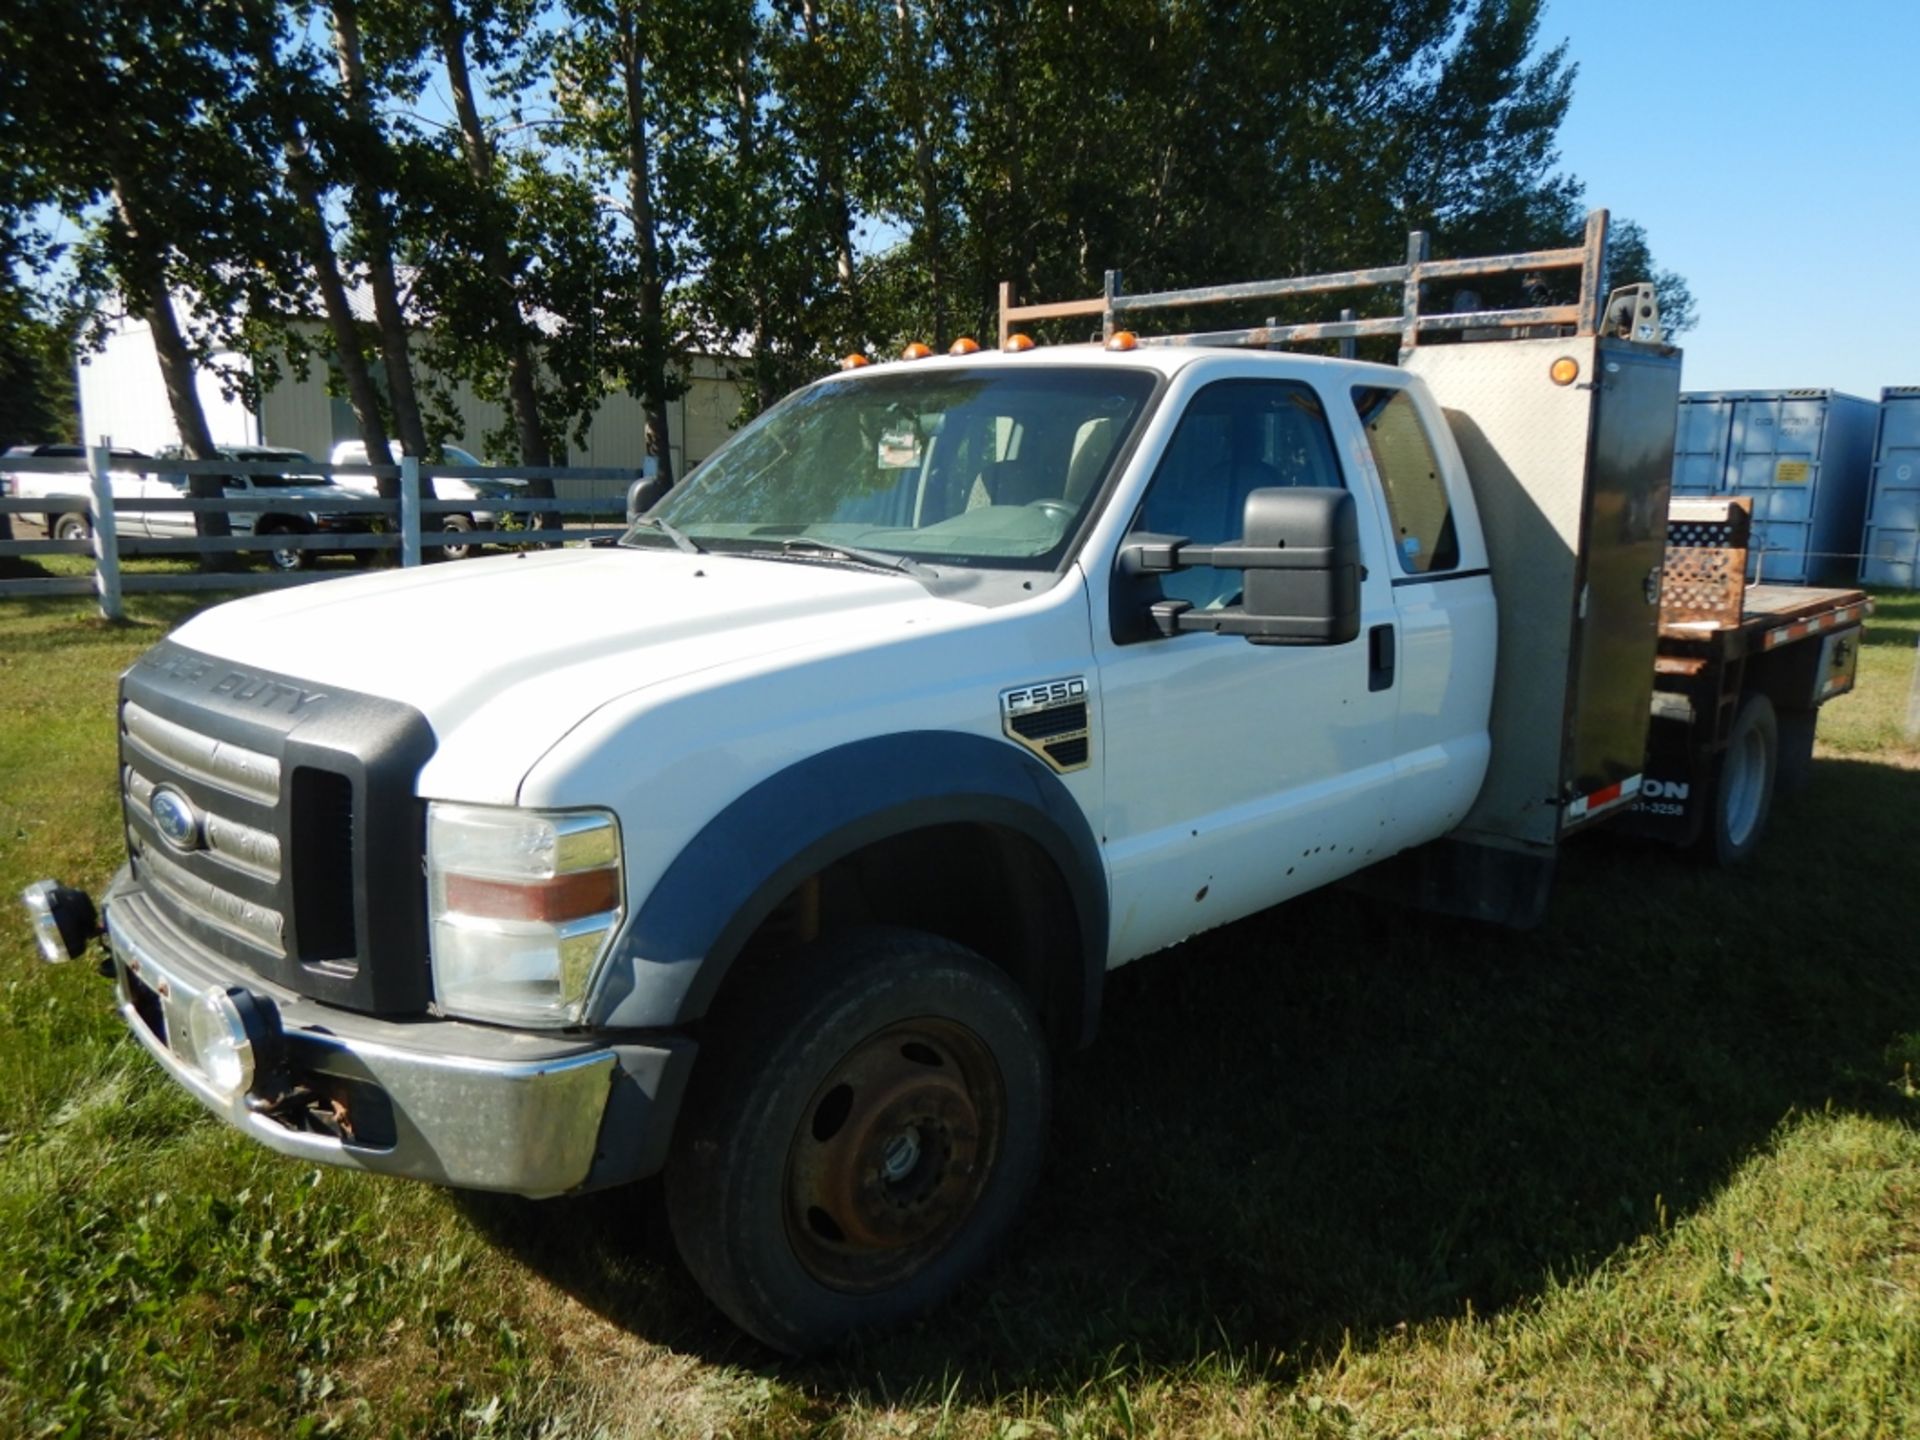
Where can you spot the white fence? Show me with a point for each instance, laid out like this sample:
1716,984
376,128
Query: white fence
411,524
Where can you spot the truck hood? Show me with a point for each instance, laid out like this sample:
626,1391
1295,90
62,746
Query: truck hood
504,655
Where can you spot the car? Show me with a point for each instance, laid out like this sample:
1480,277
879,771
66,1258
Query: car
67,495
289,514
483,494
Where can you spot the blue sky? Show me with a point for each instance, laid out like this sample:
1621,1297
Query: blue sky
1772,150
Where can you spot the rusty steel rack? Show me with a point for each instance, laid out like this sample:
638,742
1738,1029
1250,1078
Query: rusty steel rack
1584,315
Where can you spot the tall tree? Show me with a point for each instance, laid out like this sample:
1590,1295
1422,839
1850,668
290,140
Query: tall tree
613,64
126,125
494,27
364,154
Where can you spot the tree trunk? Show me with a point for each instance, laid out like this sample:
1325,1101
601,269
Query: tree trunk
370,208
523,396
745,144
361,394
830,173
926,181
653,339
153,303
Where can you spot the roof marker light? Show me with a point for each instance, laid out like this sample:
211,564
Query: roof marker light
1122,340
854,362
1016,343
965,345
916,351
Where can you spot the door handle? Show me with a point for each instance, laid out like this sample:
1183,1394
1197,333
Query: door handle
1380,657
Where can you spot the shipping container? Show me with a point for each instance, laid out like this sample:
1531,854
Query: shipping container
1802,456
1892,542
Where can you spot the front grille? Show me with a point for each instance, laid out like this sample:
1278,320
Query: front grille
276,825
323,885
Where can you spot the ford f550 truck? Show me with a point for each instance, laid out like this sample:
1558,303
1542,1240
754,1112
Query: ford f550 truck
781,846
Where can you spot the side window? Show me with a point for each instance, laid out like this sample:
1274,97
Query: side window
1237,436
1417,502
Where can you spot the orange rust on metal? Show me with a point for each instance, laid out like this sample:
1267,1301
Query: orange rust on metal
1261,335
1592,266
1503,264
1419,250
1263,289
1058,310
1703,579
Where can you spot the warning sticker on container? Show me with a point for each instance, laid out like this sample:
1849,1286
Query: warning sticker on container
1791,472
899,450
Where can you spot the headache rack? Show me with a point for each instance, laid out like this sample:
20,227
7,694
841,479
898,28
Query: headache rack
1630,312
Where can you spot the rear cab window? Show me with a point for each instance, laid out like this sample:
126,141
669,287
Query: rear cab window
1418,506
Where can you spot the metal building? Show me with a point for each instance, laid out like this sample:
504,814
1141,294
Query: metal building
1803,457
1892,540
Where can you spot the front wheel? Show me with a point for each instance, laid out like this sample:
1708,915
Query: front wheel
1743,791
866,1121
71,527
287,558
457,525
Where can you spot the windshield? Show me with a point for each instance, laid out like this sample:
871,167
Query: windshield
989,466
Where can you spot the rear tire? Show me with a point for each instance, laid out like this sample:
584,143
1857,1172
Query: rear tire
1743,789
70,527
865,1123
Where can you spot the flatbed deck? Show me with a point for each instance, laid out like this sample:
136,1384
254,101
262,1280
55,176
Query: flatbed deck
1770,616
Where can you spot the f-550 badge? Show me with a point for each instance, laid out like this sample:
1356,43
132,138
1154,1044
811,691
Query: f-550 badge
1050,718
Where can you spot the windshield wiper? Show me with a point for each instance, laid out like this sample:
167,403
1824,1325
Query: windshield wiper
679,537
833,549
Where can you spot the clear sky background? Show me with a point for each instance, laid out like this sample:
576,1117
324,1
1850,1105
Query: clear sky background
1772,150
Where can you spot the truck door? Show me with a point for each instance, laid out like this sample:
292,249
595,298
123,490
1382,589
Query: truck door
1238,775
161,524
1443,594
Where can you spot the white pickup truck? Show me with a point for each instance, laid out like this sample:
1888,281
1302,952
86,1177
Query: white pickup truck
781,846
151,499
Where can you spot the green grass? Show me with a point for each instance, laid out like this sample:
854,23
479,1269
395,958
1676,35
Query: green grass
1334,1171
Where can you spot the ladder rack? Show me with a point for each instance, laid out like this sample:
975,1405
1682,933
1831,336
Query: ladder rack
1584,315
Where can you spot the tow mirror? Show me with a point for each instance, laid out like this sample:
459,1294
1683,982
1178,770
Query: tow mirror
644,493
1300,549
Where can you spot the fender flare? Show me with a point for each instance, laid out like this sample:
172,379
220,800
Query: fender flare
685,935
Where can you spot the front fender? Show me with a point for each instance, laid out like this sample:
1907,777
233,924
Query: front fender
673,955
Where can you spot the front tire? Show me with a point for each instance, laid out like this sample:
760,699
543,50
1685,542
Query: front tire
866,1122
457,525
71,527
286,558
1743,790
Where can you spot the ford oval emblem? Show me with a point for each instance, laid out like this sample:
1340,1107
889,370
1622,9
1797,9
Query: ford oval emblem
175,818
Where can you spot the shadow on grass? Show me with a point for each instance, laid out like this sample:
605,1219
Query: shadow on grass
1336,1117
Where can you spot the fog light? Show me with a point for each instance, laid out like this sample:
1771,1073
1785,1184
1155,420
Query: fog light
63,919
233,1034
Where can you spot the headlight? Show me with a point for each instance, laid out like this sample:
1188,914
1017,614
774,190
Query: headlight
522,903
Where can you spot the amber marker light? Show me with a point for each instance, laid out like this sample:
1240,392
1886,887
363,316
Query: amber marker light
854,362
1565,370
1016,343
916,351
1122,340
965,345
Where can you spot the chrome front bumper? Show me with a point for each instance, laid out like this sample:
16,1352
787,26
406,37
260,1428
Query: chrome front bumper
437,1100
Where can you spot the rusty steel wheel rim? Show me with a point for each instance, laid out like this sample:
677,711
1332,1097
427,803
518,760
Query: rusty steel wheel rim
893,1153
